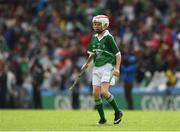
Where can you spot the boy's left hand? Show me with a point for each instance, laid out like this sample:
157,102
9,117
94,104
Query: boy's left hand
116,72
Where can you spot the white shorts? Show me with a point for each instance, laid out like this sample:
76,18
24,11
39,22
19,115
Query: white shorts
103,74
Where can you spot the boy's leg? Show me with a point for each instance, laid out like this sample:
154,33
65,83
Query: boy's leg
110,98
99,105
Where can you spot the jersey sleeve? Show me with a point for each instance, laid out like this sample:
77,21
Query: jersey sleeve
113,45
90,47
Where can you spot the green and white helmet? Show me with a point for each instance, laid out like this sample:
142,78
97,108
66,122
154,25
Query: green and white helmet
104,20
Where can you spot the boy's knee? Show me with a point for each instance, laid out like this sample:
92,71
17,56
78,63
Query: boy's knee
105,93
96,94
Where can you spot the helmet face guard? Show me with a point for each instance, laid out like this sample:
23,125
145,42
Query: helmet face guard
104,20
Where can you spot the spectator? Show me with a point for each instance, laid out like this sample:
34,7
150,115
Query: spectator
76,91
3,86
129,68
12,90
38,76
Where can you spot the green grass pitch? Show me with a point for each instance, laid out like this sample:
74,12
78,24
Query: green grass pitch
84,120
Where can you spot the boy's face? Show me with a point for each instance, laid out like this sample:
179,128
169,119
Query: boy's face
97,26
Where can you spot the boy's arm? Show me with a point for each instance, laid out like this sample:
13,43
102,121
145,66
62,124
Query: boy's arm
82,71
85,66
118,63
117,53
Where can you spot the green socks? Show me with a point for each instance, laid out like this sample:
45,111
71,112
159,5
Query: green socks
112,102
99,106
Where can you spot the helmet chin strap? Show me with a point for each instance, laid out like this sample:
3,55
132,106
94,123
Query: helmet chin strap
99,31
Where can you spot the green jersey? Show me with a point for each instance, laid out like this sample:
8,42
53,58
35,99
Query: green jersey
104,49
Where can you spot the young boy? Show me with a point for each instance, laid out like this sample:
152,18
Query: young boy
107,60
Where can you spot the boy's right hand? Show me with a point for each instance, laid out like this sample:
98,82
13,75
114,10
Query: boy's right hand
85,66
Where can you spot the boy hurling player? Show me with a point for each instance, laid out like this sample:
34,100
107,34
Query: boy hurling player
106,64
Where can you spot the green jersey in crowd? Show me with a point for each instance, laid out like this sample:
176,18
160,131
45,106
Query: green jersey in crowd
104,49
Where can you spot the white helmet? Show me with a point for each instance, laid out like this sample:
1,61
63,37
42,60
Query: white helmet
104,20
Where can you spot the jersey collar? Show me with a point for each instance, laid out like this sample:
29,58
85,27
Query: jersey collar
105,34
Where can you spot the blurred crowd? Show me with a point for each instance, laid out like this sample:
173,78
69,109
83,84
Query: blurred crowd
43,43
